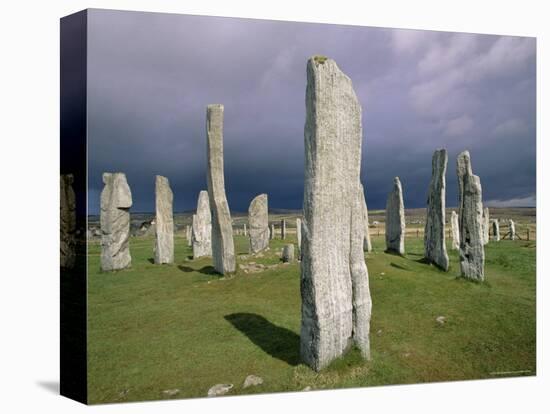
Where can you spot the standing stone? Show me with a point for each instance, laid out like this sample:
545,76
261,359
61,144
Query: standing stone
472,254
244,230
288,253
258,220
272,233
367,245
496,230
395,220
512,229
116,200
189,235
336,303
485,222
202,227
455,232
67,222
299,237
223,249
283,229
164,221
435,250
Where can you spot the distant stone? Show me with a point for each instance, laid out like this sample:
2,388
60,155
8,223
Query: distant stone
189,235
463,168
219,389
395,219
496,230
223,249
252,380
299,237
512,230
244,230
164,221
116,200
308,388
455,232
272,233
283,229
486,224
259,224
171,393
435,250
202,227
367,245
440,320
288,253
67,222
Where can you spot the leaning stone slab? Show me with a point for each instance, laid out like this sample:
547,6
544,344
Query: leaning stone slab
202,227
395,219
367,245
435,250
336,304
116,200
258,221
67,222
164,221
496,230
223,249
455,232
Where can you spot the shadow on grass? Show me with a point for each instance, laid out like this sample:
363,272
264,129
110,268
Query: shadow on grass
206,270
392,264
280,343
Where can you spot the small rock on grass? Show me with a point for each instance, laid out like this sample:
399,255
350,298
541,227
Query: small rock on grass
219,389
440,320
252,380
171,392
308,388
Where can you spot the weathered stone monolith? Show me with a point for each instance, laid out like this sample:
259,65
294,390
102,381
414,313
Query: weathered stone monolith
512,230
189,234
223,249
245,232
336,303
116,200
367,245
272,232
299,237
496,230
435,250
164,221
472,254
202,227
455,232
485,225
258,221
67,224
288,253
283,229
395,219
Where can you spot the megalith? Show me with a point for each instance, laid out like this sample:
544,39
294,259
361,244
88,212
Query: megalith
258,220
202,227
272,232
455,232
486,224
435,250
336,302
512,230
288,253
67,224
245,233
299,237
395,219
164,221
367,245
496,230
189,234
463,168
283,229
223,249
116,200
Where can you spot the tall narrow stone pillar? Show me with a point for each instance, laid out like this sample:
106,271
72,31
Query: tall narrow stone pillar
258,220
395,219
164,221
202,227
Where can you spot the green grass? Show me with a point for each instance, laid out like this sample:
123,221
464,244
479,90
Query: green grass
154,328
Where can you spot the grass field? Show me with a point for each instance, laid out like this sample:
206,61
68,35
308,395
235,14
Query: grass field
156,328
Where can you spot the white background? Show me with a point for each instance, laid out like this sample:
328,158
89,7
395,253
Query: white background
29,135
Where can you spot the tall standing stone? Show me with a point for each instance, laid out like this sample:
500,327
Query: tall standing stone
336,303
472,253
395,219
455,232
258,221
512,230
299,237
496,230
367,245
435,250
116,200
272,233
223,249
67,222
189,234
202,227
283,229
486,224
164,221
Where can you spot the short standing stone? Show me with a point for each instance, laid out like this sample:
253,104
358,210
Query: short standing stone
512,230
283,229
189,235
245,230
116,200
67,222
252,380
258,220
299,237
288,253
223,249
455,232
496,230
395,219
164,221
272,233
367,245
219,389
486,225
435,250
202,227
336,303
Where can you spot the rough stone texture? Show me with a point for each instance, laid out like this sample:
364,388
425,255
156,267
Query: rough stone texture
252,380
202,227
336,303
116,200
485,225
164,221
472,254
283,229
455,232
223,249
367,245
272,232
219,389
189,235
67,224
435,250
463,168
244,230
258,221
299,237
496,230
395,219
512,230
288,253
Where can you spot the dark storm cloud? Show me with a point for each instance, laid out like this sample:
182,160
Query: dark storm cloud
152,75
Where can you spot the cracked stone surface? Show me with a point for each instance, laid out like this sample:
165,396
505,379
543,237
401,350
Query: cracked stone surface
395,219
258,221
67,223
202,227
164,221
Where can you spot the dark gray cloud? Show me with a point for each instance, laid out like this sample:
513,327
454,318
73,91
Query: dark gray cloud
152,75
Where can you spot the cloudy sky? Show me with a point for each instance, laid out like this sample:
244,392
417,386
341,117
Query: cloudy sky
150,77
